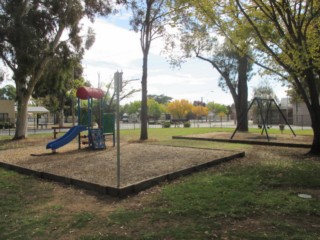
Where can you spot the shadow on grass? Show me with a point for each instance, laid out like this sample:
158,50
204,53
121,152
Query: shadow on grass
241,202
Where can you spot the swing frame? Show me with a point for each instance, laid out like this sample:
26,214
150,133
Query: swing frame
260,102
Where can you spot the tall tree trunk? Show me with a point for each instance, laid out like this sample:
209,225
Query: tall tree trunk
60,117
315,147
61,109
144,101
22,113
242,99
145,41
314,111
73,112
239,93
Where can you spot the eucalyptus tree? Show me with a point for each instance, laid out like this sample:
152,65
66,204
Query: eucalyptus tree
59,82
198,38
31,31
288,33
150,18
8,92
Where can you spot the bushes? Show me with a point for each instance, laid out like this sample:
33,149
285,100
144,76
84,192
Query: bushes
166,124
6,125
186,124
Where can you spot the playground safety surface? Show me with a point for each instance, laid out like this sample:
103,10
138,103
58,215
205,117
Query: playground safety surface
142,165
284,140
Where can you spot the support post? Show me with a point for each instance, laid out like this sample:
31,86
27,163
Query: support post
285,119
242,117
118,86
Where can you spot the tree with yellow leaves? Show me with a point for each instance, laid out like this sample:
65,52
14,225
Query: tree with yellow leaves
200,111
179,108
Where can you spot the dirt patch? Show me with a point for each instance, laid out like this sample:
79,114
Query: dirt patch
138,161
273,138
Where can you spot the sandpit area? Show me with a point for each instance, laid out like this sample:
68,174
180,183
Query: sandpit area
286,140
139,162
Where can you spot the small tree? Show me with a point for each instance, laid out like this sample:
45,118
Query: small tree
214,32
179,108
132,108
154,109
200,111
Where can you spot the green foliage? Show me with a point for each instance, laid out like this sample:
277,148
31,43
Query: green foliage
217,108
162,99
132,108
8,92
187,124
30,39
289,44
155,109
6,125
166,124
149,18
264,91
60,82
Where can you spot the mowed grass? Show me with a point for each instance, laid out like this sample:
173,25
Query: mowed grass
236,203
249,198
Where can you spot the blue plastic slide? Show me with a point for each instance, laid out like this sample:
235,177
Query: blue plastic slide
67,137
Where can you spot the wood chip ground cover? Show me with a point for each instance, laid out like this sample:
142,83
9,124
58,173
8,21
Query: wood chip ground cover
138,161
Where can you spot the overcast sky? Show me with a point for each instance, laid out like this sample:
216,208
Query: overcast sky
117,48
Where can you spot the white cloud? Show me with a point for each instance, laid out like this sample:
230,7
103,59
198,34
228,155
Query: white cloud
118,48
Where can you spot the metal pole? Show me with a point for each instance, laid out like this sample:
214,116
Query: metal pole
117,83
242,117
284,118
264,128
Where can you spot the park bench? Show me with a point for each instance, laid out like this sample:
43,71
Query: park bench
43,125
57,130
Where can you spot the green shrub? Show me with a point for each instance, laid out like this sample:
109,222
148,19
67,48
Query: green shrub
186,124
6,125
166,124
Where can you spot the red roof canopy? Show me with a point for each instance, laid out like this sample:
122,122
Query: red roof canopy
86,92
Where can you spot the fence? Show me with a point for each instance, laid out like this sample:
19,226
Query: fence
41,125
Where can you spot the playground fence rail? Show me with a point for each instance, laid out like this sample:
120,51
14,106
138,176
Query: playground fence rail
45,125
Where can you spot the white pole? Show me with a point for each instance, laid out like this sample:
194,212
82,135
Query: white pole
118,88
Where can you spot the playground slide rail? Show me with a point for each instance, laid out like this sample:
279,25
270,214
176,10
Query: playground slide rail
67,137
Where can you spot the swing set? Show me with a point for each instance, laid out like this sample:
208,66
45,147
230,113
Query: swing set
263,104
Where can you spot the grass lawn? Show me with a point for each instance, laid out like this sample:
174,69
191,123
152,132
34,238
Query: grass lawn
251,198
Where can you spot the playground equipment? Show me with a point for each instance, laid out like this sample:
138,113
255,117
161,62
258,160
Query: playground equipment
96,137
264,103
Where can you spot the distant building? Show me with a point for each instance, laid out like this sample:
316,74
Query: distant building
301,116
37,115
296,114
7,113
